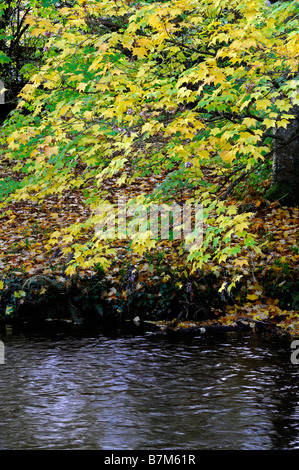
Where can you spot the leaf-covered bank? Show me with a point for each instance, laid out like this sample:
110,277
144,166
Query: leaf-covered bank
156,287
157,104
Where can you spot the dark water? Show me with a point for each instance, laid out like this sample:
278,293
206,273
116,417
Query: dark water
229,392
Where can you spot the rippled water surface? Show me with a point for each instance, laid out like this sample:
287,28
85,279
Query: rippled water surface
142,392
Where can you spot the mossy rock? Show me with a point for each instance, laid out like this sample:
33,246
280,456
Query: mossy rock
286,193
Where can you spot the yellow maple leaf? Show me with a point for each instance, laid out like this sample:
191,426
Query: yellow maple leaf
241,226
147,127
51,151
269,122
283,123
68,238
139,52
241,262
70,270
263,103
252,297
79,127
81,86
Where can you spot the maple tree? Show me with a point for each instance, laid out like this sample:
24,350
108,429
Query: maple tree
130,91
19,51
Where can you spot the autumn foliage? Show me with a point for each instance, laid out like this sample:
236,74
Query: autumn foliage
160,102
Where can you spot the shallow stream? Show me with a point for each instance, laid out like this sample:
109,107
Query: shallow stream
234,392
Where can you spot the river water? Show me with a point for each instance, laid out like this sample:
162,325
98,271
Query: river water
231,392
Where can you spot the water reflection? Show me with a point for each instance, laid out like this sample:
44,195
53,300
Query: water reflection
144,393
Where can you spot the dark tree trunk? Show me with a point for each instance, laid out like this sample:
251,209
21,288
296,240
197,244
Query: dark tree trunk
285,175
